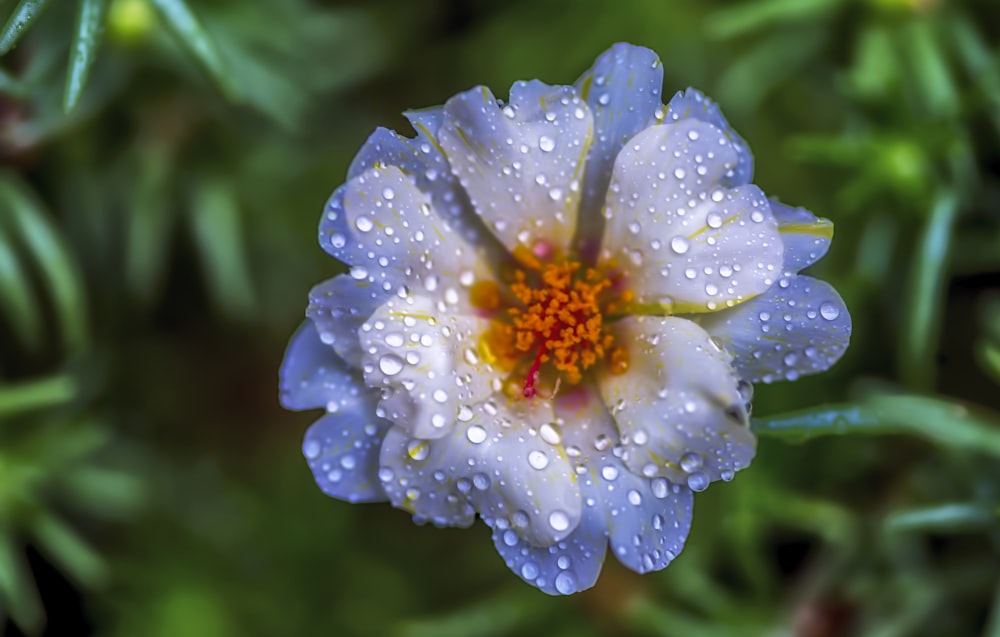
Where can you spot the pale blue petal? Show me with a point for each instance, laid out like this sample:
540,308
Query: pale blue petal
648,518
688,243
342,449
423,159
338,307
566,567
799,326
806,236
623,91
694,104
313,376
522,163
678,407
338,236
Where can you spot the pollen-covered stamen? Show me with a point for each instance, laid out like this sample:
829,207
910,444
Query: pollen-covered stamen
561,320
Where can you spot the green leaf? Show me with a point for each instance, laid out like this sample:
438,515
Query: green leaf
24,15
959,516
17,589
68,551
103,492
746,17
826,420
218,232
87,38
150,222
925,296
38,394
20,308
58,267
199,43
931,74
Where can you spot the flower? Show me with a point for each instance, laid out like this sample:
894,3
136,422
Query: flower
554,312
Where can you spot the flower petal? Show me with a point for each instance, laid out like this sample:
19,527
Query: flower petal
689,245
678,406
495,461
566,567
521,164
646,519
693,104
799,326
622,90
423,355
423,160
342,449
313,376
338,307
806,236
386,229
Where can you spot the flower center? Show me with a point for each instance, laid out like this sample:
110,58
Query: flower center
555,318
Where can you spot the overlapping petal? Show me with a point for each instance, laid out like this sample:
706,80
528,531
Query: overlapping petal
688,243
622,90
492,462
342,449
522,163
693,104
799,326
806,237
313,376
678,406
423,357
338,307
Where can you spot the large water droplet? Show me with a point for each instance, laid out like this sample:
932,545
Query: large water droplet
691,462
829,311
311,449
697,481
538,460
565,583
679,244
364,224
476,434
546,143
559,521
390,364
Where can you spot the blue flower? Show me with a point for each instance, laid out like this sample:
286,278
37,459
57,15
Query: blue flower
555,311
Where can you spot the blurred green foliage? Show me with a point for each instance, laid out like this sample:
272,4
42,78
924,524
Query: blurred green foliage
164,165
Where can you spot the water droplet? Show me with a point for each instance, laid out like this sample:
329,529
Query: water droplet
440,396
565,583
697,481
388,193
550,434
659,487
634,498
679,244
608,472
390,364
555,194
829,311
311,449
538,460
476,434
510,538
691,462
546,144
726,475
529,571
481,481
418,449
713,220
692,135
559,521
679,173
364,224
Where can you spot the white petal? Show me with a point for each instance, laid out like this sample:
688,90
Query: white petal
494,460
395,237
338,307
678,406
313,376
799,326
693,104
425,359
566,567
522,163
688,244
622,90
646,519
806,236
342,450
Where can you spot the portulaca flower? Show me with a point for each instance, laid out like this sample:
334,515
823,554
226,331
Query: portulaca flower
554,312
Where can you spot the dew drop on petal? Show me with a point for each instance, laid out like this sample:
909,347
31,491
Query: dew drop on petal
659,487
364,224
538,460
529,570
550,434
390,364
691,462
565,583
609,472
829,311
679,244
714,219
546,144
559,521
697,481
311,449
475,434
634,498
418,449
